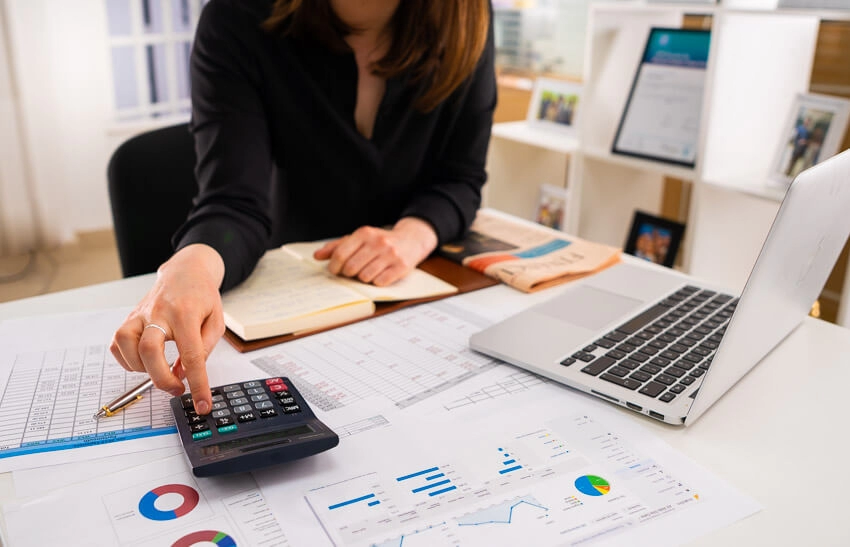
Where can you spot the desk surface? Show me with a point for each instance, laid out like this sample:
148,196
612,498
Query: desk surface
778,435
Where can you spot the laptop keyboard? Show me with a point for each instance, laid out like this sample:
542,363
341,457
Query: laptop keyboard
664,349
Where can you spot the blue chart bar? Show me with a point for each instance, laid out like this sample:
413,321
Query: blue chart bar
429,486
355,500
508,461
418,474
432,475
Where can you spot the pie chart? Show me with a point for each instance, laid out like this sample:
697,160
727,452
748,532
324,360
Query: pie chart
150,511
205,536
591,485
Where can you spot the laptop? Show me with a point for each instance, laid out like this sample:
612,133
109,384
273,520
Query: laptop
663,344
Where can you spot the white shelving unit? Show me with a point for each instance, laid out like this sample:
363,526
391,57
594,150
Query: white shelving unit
759,60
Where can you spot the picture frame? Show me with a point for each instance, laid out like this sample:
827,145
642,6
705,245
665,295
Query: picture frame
555,104
552,206
654,238
813,132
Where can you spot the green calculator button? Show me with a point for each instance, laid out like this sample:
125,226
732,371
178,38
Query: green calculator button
227,429
201,435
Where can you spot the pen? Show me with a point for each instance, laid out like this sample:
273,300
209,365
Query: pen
123,401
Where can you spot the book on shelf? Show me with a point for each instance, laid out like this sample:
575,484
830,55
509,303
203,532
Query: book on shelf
525,256
289,292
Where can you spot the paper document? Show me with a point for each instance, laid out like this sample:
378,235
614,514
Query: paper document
552,469
55,373
403,357
159,503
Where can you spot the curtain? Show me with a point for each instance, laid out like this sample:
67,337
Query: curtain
19,225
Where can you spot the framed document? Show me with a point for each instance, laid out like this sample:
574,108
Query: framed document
662,114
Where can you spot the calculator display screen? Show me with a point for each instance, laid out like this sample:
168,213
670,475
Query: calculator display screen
257,442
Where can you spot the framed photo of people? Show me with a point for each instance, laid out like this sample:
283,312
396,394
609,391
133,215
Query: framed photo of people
555,104
813,132
552,206
654,239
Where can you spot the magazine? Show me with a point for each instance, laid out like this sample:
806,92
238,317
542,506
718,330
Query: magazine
524,256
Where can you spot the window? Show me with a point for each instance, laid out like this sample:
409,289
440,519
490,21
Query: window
540,36
149,42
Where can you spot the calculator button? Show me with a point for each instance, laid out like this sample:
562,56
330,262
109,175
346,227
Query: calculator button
282,394
215,391
221,422
195,428
235,394
219,405
231,387
201,435
239,401
287,401
217,398
241,408
220,413
187,402
261,397
195,419
255,391
291,409
273,381
274,388
227,429
247,417
263,404
247,385
190,413
268,413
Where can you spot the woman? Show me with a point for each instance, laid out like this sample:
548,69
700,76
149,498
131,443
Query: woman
316,119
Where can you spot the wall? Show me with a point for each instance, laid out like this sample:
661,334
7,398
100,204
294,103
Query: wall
60,52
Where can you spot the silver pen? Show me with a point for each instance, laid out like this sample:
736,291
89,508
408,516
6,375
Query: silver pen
123,401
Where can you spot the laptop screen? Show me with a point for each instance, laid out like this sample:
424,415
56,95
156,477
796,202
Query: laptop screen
662,114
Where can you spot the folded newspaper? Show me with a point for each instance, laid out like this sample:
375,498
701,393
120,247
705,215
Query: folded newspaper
526,257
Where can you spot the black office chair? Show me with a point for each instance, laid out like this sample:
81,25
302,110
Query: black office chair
151,186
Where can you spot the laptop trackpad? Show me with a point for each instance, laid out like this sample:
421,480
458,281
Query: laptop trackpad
588,307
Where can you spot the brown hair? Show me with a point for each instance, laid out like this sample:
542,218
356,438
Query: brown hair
439,41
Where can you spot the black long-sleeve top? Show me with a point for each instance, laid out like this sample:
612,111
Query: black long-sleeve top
279,158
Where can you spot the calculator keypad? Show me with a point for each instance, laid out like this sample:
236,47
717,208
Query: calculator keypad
237,404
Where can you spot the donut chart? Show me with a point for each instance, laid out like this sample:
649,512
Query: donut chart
591,485
149,511
219,538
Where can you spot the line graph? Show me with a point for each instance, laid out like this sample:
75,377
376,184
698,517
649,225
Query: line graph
502,513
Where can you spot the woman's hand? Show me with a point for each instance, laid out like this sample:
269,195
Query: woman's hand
184,305
379,256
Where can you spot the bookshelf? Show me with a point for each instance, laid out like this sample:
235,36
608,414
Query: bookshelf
732,203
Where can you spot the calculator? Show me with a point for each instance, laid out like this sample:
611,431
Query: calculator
252,424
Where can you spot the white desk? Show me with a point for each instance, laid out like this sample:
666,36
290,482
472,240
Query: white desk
778,437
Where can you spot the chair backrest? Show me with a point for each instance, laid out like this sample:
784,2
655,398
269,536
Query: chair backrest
151,187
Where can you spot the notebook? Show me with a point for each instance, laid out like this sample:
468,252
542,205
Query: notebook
663,344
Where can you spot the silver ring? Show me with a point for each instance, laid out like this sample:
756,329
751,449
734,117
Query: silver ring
155,326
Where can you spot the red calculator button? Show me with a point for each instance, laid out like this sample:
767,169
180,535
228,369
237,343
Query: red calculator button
278,387
272,381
